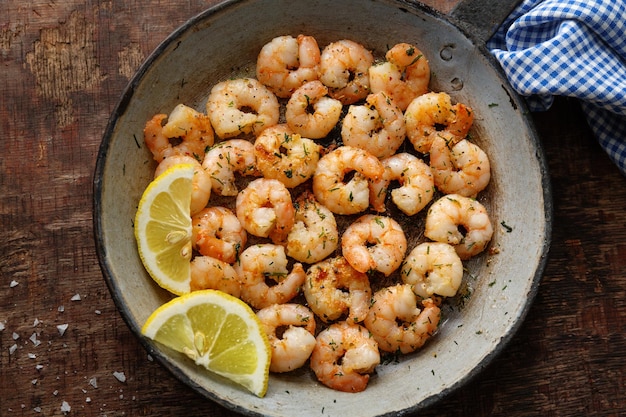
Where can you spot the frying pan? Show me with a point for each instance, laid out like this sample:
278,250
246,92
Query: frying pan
500,284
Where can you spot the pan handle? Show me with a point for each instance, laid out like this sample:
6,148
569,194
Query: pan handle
481,18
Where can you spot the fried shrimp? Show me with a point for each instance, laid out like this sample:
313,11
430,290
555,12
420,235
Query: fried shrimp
376,126
310,112
265,209
241,106
374,243
286,156
395,321
314,235
404,76
433,268
286,63
334,288
460,221
292,349
211,273
344,69
201,183
462,168
430,113
261,262
344,356
416,184
328,181
224,159
217,232
184,132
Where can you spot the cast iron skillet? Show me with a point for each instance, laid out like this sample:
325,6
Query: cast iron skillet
223,42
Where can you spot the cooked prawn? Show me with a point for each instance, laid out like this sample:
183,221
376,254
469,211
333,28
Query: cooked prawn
285,63
462,168
433,268
344,69
460,221
258,263
310,112
265,209
344,356
403,76
376,126
201,183
395,321
211,273
224,159
296,322
184,132
314,235
217,232
416,184
328,181
241,106
374,243
430,113
284,155
333,288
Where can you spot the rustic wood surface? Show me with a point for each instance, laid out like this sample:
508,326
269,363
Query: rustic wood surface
64,346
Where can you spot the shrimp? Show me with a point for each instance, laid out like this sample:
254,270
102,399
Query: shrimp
201,183
344,69
462,168
314,235
211,273
377,126
404,76
395,321
265,209
286,156
184,132
217,232
429,113
416,184
344,356
433,268
286,63
241,106
292,349
310,112
374,243
334,288
328,181
460,221
224,159
258,263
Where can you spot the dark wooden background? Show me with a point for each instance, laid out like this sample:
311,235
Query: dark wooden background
63,65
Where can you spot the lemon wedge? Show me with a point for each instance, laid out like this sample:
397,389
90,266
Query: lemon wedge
163,228
217,331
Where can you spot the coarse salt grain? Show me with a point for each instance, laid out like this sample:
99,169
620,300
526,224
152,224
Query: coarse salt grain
62,328
61,309
1,326
93,382
32,356
12,349
120,376
15,336
13,284
76,297
34,340
65,407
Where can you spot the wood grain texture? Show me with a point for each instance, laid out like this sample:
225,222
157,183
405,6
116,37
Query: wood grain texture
63,66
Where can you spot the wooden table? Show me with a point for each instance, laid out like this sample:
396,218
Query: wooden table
63,345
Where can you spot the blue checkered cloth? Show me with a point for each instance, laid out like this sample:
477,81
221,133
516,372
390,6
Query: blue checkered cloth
574,48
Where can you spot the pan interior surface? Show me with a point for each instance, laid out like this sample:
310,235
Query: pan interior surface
223,43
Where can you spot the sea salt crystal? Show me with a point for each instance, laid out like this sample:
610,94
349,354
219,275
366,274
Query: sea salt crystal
32,356
1,326
65,407
61,309
15,336
36,322
37,409
39,367
88,399
12,349
62,328
120,376
13,284
98,312
33,338
93,382
76,297
34,382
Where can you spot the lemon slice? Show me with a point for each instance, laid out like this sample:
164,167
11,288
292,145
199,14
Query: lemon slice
163,228
217,331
